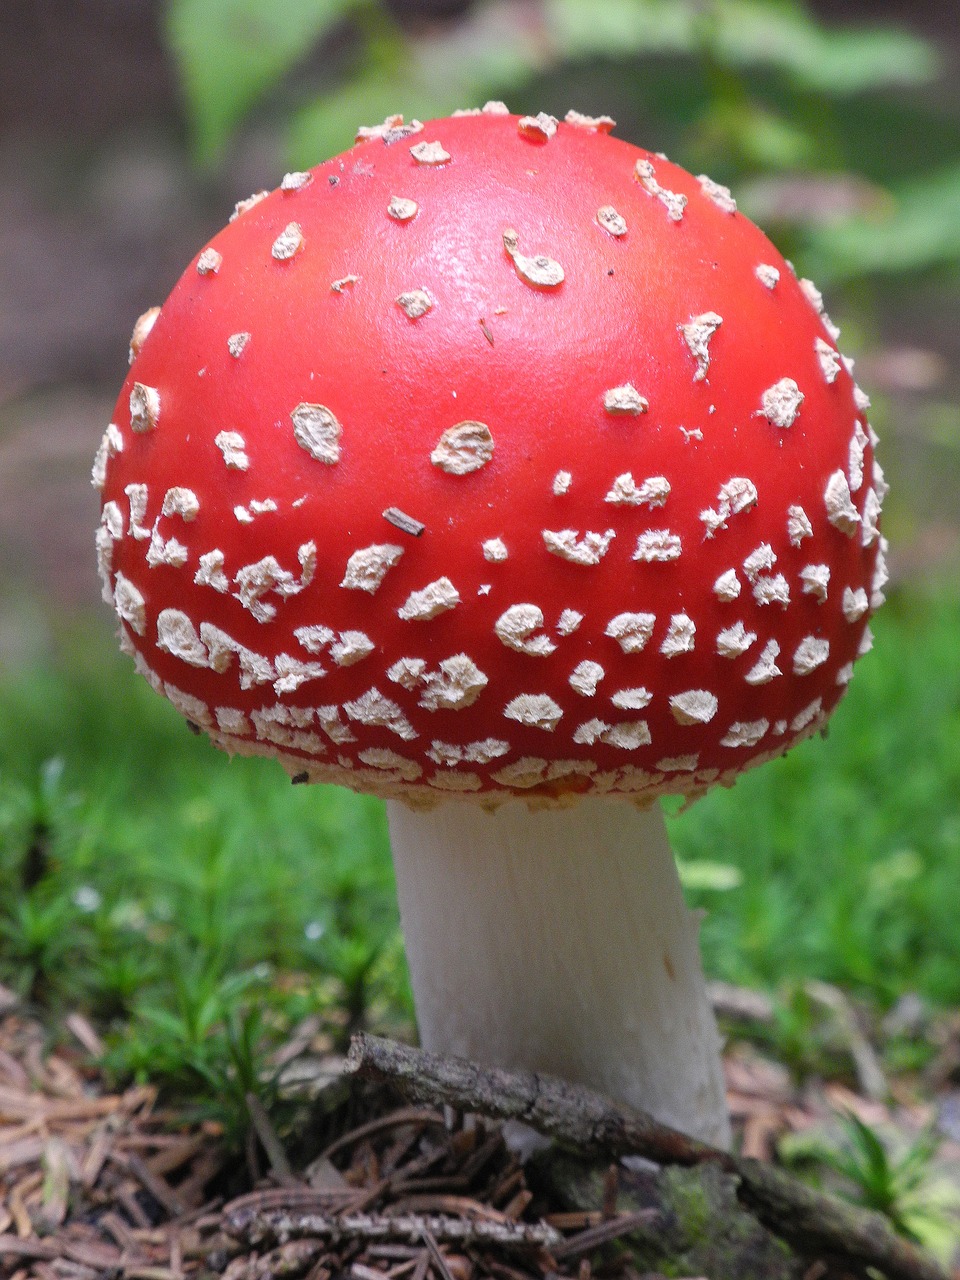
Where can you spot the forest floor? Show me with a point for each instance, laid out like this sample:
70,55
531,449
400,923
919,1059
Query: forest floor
96,1181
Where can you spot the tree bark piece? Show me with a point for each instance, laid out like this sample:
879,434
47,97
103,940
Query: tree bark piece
259,1226
594,1126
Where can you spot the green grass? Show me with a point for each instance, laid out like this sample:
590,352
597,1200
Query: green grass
848,849
199,905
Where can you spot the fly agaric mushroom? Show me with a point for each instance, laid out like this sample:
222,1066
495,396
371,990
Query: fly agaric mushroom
503,469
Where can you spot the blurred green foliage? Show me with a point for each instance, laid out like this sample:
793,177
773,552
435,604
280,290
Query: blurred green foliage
198,907
848,849
231,52
904,1185
758,92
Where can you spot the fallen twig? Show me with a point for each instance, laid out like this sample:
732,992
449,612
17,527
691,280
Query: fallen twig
740,1004
870,1075
378,1124
150,1181
592,1125
269,1140
592,1237
276,1226
436,1257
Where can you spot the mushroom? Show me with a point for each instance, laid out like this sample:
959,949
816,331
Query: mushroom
512,475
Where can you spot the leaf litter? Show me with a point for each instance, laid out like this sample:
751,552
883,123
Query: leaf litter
95,1182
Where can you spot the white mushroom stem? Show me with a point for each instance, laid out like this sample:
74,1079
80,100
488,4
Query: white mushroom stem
558,940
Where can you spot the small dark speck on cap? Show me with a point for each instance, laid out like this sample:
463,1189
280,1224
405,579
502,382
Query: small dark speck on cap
406,524
298,778
333,180
194,728
610,271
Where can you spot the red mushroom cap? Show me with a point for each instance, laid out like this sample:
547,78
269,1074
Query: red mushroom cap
493,456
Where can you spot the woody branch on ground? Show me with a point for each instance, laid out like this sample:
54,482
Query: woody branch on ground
593,1126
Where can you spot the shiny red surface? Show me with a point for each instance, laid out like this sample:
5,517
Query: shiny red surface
538,382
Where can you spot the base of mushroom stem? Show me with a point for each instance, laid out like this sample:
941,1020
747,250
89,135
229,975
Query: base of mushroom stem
558,940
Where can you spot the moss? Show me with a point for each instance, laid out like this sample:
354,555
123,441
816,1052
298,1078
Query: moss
691,1199
700,1227
713,1234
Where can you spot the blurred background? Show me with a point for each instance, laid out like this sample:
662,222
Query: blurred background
128,128
200,909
